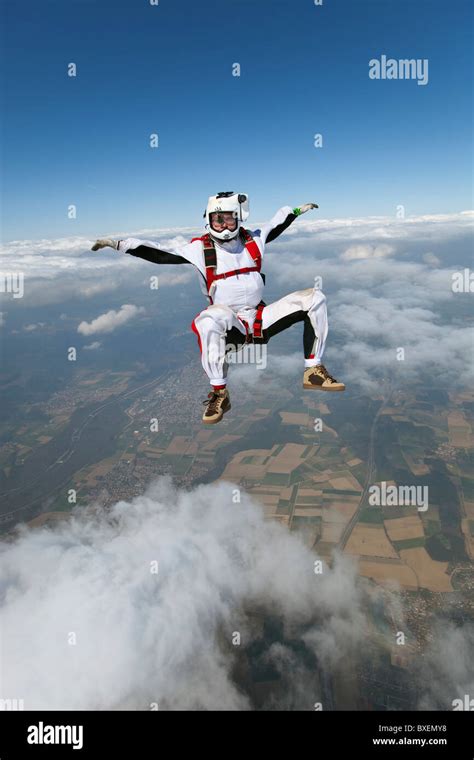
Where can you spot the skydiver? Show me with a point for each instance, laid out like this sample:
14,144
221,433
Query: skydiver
228,258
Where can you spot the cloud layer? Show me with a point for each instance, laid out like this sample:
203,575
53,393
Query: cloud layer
388,282
161,600
142,637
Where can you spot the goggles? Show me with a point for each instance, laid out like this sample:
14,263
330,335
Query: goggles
223,219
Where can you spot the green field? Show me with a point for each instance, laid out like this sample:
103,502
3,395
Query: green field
371,515
409,543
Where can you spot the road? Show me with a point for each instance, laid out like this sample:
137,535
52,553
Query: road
370,473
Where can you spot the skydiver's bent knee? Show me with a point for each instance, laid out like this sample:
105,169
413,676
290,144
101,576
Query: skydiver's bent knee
215,316
309,298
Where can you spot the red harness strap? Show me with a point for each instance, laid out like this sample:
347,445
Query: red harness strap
256,334
210,258
257,325
224,275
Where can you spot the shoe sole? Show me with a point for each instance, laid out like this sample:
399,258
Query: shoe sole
214,422
312,387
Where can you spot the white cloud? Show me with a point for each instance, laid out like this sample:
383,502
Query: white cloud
77,273
430,259
167,637
111,320
367,252
34,326
93,346
64,270
423,227
446,673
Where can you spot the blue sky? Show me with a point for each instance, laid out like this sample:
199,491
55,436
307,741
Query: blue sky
168,69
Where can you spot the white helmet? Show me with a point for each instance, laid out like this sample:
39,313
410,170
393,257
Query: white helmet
235,203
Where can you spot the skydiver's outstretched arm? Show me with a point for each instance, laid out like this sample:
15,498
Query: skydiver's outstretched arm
282,220
144,249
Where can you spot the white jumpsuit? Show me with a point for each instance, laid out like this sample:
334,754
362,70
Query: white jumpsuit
234,299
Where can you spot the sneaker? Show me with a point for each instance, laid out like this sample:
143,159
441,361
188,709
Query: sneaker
319,378
218,403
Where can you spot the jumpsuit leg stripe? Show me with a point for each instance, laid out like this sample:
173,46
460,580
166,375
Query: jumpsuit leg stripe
308,306
195,330
309,336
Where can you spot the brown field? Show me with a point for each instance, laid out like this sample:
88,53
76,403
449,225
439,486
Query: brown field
266,489
458,398
269,510
312,493
345,508
346,483
288,458
430,574
370,541
332,532
404,527
268,502
294,418
235,471
178,445
321,477
388,571
267,498
335,519
21,449
316,503
309,512
468,539
283,519
469,507
203,435
46,517
459,430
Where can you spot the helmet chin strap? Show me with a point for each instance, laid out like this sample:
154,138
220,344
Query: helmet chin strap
222,240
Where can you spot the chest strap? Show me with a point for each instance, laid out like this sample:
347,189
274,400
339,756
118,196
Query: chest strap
210,258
